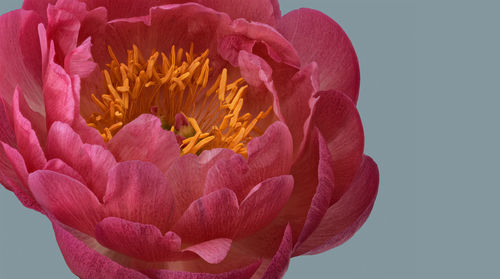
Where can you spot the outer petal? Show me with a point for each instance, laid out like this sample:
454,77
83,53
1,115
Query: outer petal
137,240
7,133
337,119
280,261
27,140
242,273
87,263
139,192
144,139
212,216
265,11
20,57
92,162
268,155
263,203
68,200
346,216
318,38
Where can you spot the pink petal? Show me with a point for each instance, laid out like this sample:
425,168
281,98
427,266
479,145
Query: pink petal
212,251
58,93
323,195
268,155
27,140
7,133
20,54
68,200
138,240
280,261
295,90
144,139
59,166
63,26
211,216
92,162
242,273
263,204
79,60
336,117
254,70
265,11
87,263
139,192
316,37
347,215
14,176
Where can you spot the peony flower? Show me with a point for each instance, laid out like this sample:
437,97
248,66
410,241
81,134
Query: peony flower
183,139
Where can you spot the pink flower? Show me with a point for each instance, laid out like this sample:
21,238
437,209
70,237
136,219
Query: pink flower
177,139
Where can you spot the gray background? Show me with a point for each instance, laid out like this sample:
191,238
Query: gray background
429,102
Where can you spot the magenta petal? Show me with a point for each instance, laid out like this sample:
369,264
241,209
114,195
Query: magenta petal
263,203
323,196
14,26
316,37
141,241
58,93
347,215
61,167
212,251
265,11
139,192
27,141
14,176
211,216
92,162
79,60
86,262
68,200
338,121
242,273
7,133
280,261
270,154
144,139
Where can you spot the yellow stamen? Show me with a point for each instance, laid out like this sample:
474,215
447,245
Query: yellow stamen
169,85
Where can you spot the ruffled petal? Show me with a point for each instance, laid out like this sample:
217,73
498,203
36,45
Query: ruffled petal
242,273
20,59
59,166
263,203
92,162
279,263
144,139
211,216
268,155
265,11
347,215
316,37
141,241
68,200
212,251
86,262
79,61
27,141
58,92
139,192
338,121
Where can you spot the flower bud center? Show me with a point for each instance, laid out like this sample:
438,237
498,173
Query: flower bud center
175,88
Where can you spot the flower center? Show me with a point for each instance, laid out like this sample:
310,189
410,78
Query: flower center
176,90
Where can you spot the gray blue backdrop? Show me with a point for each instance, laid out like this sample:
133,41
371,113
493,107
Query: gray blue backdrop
429,102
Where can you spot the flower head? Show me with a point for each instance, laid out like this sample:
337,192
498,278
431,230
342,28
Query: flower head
183,139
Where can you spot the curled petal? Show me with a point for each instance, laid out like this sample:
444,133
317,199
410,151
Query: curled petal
347,215
138,240
87,263
139,192
144,139
68,200
316,37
